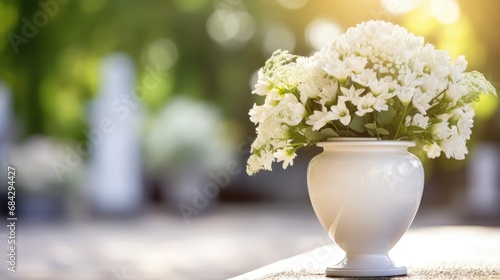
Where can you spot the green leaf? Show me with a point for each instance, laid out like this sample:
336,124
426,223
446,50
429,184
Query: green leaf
357,124
382,131
371,126
386,117
295,135
313,135
329,132
343,133
374,130
414,129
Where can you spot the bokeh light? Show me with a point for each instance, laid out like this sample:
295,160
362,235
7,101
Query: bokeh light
278,38
190,5
486,106
445,11
320,31
162,53
293,4
399,7
420,22
231,28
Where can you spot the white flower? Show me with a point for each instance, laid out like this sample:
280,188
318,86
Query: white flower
273,97
379,87
421,101
444,117
340,112
391,84
454,147
432,85
374,67
318,119
253,165
307,91
421,121
380,104
290,110
417,120
267,160
433,150
405,94
338,70
356,63
328,92
456,72
365,78
256,163
258,113
352,93
455,92
411,80
465,121
441,130
286,156
263,84
365,104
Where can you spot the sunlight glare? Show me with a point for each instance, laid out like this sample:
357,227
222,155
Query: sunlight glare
293,4
321,31
399,7
445,11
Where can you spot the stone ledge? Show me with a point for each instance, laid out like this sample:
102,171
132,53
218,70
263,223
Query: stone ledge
428,253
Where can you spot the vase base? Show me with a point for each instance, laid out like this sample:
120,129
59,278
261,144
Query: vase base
366,266
359,272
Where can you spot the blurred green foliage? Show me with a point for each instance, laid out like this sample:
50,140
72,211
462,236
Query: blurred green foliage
54,71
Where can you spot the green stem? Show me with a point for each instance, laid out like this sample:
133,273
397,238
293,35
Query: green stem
401,121
437,96
375,123
334,126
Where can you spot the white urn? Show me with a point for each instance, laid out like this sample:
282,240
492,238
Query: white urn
365,192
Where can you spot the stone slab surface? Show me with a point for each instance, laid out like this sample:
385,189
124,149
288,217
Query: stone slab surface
458,252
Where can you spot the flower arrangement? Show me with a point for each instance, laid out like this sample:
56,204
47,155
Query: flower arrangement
375,80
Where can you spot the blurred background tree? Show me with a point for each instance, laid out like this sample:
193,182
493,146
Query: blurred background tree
51,50
211,47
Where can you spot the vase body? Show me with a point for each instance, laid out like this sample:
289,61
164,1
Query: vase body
365,193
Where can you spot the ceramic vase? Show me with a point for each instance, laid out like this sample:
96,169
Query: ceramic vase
365,192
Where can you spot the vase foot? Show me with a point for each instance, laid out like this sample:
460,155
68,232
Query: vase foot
366,266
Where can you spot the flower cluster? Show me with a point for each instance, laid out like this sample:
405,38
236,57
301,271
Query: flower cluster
376,80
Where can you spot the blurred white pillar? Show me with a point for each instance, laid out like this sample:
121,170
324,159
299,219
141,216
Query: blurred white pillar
115,169
483,192
5,127
5,112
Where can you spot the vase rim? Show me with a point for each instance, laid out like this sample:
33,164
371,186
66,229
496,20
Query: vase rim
363,141
337,139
